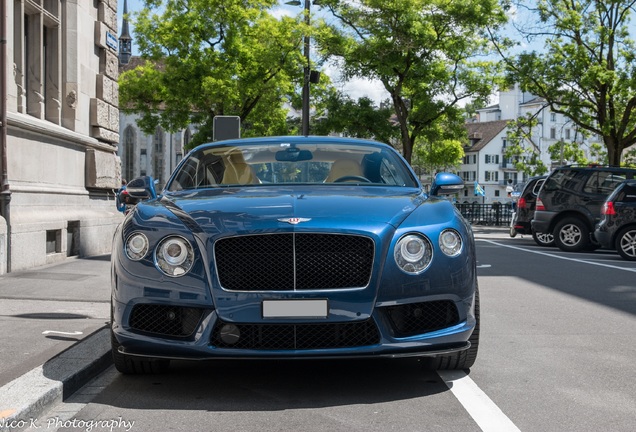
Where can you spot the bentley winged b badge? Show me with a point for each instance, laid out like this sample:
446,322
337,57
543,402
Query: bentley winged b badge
294,220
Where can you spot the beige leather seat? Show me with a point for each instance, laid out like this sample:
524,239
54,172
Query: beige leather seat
342,168
237,171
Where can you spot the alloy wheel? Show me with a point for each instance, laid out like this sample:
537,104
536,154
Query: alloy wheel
627,244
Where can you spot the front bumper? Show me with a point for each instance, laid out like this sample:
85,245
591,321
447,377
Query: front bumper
376,336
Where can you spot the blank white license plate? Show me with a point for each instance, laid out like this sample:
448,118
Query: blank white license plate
295,308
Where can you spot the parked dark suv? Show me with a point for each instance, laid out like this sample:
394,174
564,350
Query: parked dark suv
569,203
525,212
617,228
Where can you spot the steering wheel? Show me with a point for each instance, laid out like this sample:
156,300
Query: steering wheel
352,178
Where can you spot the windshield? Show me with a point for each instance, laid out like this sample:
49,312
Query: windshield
321,163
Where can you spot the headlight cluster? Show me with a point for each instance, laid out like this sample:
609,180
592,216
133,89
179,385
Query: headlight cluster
450,242
414,252
173,256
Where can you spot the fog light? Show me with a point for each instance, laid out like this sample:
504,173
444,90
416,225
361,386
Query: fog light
230,334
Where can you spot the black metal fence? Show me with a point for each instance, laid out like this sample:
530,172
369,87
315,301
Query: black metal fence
486,214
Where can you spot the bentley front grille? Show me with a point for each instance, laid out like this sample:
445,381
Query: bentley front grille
295,336
294,261
418,318
165,320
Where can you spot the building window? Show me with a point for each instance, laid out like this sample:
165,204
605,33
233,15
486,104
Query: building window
37,53
187,136
158,155
512,176
492,159
468,176
492,176
129,153
553,133
553,117
567,134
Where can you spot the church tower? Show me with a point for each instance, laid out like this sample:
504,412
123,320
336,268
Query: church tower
125,41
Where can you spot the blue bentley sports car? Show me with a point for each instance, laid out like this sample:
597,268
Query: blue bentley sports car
293,247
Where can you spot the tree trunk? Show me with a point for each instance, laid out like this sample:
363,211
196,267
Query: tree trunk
614,151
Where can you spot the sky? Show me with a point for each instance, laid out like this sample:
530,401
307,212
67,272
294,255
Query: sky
355,88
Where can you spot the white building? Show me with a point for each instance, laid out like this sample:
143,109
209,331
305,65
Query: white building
485,160
60,130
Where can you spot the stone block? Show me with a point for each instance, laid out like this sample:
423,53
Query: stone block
105,135
109,64
114,118
100,34
106,89
100,113
103,170
115,93
107,15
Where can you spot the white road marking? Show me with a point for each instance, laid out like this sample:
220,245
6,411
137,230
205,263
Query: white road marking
561,257
486,414
484,266
75,333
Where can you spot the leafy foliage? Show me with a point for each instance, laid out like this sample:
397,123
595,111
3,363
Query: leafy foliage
358,119
213,57
522,150
425,53
587,70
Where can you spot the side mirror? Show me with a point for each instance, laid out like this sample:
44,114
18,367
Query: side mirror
142,188
446,184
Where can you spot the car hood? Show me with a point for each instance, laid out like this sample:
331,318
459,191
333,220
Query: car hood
233,210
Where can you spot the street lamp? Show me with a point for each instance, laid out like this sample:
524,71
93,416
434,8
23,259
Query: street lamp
307,75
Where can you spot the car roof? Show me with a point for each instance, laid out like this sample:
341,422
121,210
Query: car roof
295,139
595,167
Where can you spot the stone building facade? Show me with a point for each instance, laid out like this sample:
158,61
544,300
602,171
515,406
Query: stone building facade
59,144
155,155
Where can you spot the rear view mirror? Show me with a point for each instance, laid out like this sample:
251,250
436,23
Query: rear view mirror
293,154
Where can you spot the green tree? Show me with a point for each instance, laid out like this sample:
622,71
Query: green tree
358,119
443,155
587,70
424,52
522,149
213,57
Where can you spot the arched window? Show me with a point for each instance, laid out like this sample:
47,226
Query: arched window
128,164
158,155
187,136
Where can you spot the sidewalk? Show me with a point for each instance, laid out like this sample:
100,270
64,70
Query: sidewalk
491,232
54,335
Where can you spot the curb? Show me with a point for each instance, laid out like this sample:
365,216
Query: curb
25,398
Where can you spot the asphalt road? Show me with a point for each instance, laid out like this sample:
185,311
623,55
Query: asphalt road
556,354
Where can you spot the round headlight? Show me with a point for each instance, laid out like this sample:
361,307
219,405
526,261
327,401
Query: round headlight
413,253
136,246
450,242
174,256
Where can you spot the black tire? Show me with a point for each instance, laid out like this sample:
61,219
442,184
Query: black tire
626,243
571,235
130,365
464,359
543,239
